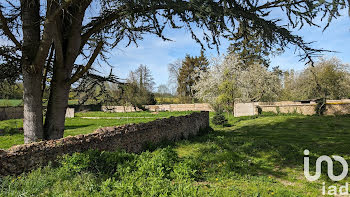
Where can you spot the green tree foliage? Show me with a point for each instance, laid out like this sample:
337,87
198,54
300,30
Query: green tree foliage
229,80
289,86
328,78
189,75
219,119
251,48
95,89
11,90
138,89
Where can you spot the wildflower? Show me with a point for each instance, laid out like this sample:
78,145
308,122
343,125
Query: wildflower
216,179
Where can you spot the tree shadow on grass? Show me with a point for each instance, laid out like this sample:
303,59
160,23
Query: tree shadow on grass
8,131
267,147
77,126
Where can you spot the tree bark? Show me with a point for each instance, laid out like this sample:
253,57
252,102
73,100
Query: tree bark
32,72
32,100
57,106
67,41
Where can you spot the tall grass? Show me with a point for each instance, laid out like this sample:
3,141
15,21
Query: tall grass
255,156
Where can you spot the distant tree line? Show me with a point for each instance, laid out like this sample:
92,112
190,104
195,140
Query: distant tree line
136,90
11,90
230,80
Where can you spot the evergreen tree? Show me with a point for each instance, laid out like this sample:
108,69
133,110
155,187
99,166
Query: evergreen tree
252,48
189,75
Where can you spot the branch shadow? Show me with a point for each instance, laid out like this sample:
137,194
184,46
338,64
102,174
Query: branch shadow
269,147
77,126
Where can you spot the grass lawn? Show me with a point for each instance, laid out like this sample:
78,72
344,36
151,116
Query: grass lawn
75,126
253,157
10,102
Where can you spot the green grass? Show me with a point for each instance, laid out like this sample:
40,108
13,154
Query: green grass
74,126
10,102
255,156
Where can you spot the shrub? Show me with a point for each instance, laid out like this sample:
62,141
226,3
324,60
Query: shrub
219,119
95,161
320,107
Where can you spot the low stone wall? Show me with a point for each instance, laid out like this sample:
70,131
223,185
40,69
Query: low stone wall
7,113
333,107
83,108
131,138
119,109
306,109
165,107
337,109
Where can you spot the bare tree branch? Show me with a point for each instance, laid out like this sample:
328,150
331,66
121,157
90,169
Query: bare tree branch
81,72
47,67
102,22
7,31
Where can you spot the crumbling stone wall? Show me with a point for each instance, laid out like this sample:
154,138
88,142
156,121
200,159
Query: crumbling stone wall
164,107
333,107
131,138
7,113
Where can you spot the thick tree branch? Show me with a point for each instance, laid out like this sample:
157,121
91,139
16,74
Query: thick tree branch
47,67
278,3
57,10
7,31
81,72
123,10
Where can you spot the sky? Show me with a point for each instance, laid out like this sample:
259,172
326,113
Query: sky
157,54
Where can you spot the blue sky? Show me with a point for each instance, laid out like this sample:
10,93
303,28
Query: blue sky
157,54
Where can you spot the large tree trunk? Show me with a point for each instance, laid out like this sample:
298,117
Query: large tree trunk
57,106
32,72
32,100
67,41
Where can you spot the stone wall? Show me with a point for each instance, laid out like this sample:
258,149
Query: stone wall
306,109
165,107
119,109
333,107
244,109
7,113
337,109
84,108
131,138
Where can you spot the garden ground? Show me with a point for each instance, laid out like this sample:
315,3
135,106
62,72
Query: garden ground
255,156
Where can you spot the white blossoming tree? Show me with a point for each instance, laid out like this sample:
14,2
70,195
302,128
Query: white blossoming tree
228,79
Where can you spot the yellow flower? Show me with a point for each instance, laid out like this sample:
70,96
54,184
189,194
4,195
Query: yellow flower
216,179
272,193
